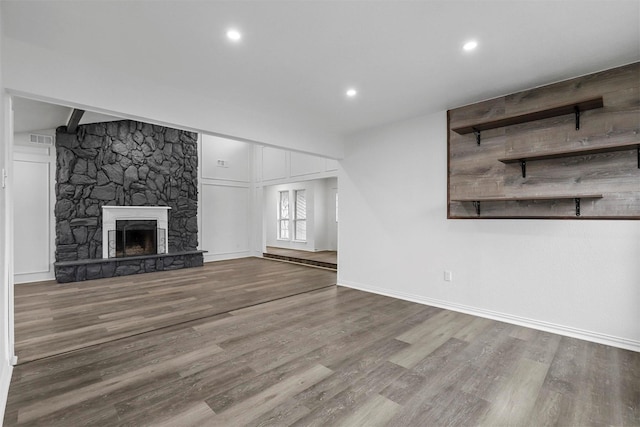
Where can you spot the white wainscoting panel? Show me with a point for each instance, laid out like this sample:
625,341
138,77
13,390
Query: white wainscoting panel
304,164
331,165
225,221
274,164
225,159
32,218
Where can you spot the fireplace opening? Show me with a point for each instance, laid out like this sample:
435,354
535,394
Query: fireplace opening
135,237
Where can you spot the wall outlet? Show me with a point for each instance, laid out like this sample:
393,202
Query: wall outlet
448,276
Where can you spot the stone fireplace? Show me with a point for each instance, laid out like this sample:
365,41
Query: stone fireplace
126,200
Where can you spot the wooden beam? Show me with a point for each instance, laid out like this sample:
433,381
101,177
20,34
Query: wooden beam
74,120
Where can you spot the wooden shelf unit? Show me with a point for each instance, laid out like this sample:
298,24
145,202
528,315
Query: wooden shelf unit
557,154
559,110
576,197
536,126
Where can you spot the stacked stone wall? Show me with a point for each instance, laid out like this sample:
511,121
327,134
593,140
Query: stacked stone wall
123,163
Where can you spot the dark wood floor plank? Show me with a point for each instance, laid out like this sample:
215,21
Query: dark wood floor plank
511,404
251,408
377,411
350,371
343,404
409,384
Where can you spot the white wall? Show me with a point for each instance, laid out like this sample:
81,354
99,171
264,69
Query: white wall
578,278
34,201
6,293
325,226
332,223
226,201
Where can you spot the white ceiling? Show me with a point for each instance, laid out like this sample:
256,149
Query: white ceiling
298,57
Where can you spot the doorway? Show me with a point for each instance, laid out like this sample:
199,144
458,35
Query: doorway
301,222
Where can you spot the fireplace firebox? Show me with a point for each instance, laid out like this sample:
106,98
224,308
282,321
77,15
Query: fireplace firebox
135,237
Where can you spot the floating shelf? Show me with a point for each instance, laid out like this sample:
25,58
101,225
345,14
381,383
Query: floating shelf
560,110
576,197
524,158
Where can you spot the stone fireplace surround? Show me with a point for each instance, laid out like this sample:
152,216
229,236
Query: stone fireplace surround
111,214
123,164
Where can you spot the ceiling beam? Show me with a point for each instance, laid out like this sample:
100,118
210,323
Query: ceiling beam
74,120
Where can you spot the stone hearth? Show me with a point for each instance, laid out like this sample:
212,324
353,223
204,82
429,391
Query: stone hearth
75,271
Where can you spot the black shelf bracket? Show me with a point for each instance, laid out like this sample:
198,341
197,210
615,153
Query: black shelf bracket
638,156
576,109
523,166
577,199
476,132
476,204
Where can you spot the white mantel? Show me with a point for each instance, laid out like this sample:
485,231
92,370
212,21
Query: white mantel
112,213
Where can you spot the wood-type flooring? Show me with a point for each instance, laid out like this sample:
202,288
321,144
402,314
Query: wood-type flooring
324,259
332,357
52,318
324,256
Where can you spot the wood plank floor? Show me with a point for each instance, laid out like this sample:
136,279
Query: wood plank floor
52,318
323,256
333,356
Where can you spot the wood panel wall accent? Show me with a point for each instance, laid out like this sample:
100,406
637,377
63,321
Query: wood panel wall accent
569,150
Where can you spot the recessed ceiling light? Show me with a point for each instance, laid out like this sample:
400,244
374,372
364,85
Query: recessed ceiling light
470,45
351,92
234,35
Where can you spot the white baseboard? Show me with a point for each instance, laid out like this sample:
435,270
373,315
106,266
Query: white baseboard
625,343
33,277
209,257
6,371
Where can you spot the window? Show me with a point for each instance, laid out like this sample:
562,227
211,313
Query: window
300,220
283,215
292,223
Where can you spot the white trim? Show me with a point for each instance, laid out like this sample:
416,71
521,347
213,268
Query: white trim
292,180
22,278
8,232
569,331
6,371
228,181
220,183
200,184
226,255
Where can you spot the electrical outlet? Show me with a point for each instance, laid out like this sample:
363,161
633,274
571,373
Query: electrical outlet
448,276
